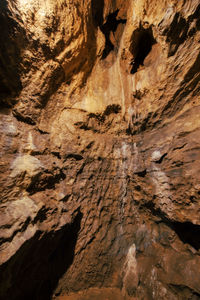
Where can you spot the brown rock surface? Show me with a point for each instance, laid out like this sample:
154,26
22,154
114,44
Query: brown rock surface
100,150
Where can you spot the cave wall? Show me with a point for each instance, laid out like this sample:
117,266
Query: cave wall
100,126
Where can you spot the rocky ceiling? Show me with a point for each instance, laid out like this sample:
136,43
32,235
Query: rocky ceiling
100,149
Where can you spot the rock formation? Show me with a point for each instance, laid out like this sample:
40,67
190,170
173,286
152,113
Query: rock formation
100,149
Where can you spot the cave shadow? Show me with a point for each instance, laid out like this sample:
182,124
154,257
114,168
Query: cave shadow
97,12
187,232
34,271
11,38
109,26
141,45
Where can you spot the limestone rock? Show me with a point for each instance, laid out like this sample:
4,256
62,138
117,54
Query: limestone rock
100,127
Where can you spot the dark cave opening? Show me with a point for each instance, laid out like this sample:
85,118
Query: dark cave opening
185,290
11,33
109,26
34,271
188,233
3,87
97,12
141,45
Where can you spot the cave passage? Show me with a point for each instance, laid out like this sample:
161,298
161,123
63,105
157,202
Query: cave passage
34,271
142,42
188,233
97,12
109,26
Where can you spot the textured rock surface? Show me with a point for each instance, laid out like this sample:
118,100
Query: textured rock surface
100,151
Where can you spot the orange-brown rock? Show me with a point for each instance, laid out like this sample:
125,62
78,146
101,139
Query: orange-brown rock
100,151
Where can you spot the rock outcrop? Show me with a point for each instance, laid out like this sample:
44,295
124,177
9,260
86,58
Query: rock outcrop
100,150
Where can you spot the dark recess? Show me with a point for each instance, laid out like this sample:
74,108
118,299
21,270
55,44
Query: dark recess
34,271
185,291
109,26
142,173
11,35
75,156
159,161
142,42
188,233
180,30
45,180
97,12
112,109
